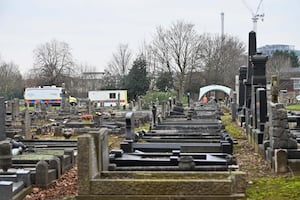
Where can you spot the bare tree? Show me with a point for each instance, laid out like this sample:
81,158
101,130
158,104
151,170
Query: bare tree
121,61
221,58
11,80
176,49
53,62
276,63
120,64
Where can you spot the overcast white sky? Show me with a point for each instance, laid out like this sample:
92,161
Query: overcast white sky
94,28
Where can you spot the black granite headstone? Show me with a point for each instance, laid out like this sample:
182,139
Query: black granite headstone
251,51
242,77
129,125
261,106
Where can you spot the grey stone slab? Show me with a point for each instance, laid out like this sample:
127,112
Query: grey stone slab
281,160
42,178
6,190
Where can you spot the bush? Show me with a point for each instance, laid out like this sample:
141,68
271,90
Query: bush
152,96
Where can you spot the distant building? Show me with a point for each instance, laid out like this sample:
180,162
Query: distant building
270,49
80,85
289,83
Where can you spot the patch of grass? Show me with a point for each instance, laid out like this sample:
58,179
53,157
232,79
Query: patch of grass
231,127
145,127
293,107
279,188
68,197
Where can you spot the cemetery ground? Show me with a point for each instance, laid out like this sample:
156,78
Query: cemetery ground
263,184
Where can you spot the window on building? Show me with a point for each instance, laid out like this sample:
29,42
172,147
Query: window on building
112,95
296,84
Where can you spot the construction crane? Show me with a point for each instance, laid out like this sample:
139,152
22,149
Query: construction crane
255,15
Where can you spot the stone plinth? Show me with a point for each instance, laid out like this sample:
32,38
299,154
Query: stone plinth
96,182
279,133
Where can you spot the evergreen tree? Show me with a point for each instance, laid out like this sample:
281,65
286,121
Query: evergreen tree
294,59
164,81
137,82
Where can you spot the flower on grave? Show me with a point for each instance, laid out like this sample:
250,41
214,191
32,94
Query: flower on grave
98,113
86,117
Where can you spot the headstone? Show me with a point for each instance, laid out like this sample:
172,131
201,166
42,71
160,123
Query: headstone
281,160
37,106
85,157
5,155
261,105
139,103
41,177
70,152
234,107
104,151
258,69
163,109
118,103
170,103
132,105
274,89
49,107
44,108
2,119
27,124
56,164
251,52
258,80
15,109
89,106
241,93
6,190
236,88
129,126
154,116
65,105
